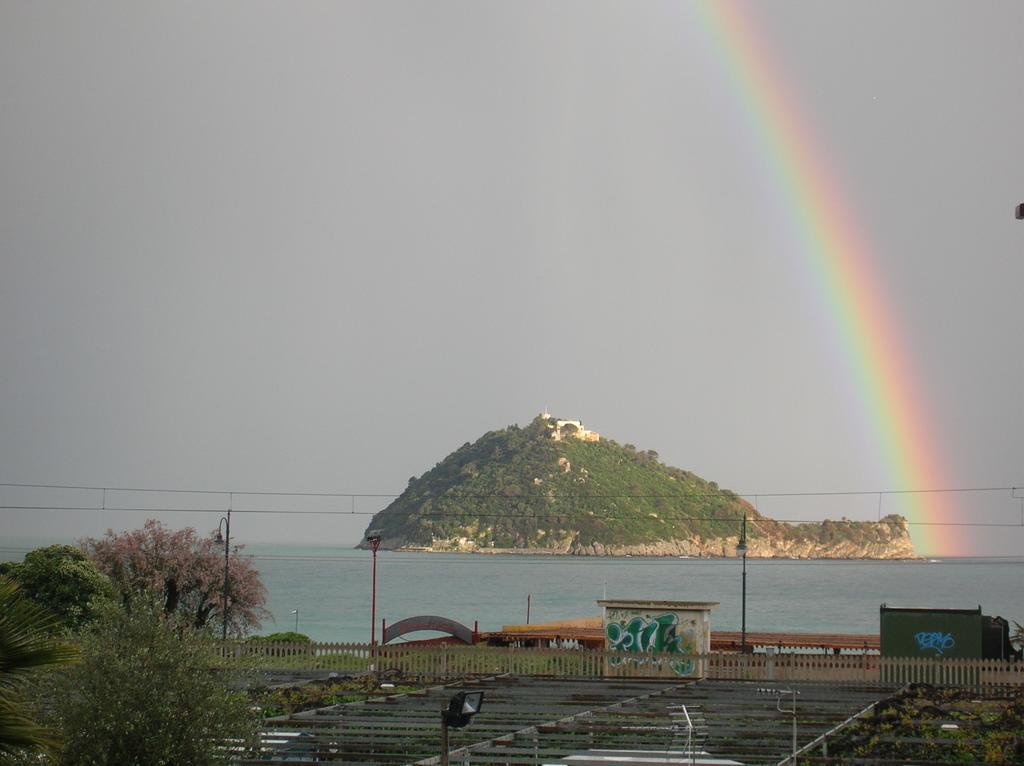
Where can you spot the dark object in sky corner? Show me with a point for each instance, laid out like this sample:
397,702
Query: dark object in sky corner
1020,212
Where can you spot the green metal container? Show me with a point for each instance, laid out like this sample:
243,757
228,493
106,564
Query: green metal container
931,633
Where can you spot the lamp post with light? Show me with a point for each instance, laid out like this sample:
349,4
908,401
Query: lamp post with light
741,548
460,711
373,538
225,525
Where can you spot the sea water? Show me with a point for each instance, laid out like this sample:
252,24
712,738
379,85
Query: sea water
330,588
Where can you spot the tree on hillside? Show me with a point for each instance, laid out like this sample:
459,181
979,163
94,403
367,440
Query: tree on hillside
62,579
145,693
26,646
185,570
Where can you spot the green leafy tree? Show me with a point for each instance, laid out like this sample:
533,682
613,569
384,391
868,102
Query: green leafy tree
27,646
145,694
63,580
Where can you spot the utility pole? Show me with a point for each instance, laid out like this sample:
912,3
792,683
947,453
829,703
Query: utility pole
741,547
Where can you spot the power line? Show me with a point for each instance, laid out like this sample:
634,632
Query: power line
578,500
278,511
97,488
554,515
711,493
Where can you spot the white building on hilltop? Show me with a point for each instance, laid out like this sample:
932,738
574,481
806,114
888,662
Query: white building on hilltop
560,429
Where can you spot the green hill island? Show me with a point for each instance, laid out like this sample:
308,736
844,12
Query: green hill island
553,487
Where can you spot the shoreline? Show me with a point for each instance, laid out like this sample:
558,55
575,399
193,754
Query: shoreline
547,552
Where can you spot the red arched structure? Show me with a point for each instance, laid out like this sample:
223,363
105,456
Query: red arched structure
428,622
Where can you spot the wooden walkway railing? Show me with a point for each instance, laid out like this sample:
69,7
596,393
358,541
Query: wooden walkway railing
457,661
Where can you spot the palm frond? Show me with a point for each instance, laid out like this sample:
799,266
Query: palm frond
18,732
27,645
27,640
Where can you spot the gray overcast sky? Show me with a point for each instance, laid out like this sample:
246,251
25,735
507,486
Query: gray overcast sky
315,246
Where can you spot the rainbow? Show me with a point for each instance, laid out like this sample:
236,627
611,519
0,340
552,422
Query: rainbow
835,252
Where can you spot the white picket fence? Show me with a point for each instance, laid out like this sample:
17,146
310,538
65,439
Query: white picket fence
457,661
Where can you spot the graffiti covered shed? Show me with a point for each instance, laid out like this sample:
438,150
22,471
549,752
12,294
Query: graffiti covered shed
657,627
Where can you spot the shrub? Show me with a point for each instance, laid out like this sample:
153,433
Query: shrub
287,635
145,694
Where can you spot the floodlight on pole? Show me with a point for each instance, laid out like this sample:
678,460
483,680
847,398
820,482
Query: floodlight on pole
460,711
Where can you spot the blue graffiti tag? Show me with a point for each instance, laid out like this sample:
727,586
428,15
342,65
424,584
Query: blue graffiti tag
939,642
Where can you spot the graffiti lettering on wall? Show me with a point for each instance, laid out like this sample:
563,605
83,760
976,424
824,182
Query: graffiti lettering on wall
934,641
654,636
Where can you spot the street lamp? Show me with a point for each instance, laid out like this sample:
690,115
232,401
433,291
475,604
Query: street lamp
225,524
460,711
296,613
373,538
741,548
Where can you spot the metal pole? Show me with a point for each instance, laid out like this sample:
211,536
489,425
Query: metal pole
743,625
794,728
224,593
296,620
444,740
374,544
792,710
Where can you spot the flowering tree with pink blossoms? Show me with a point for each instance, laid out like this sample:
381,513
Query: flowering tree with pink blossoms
185,571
